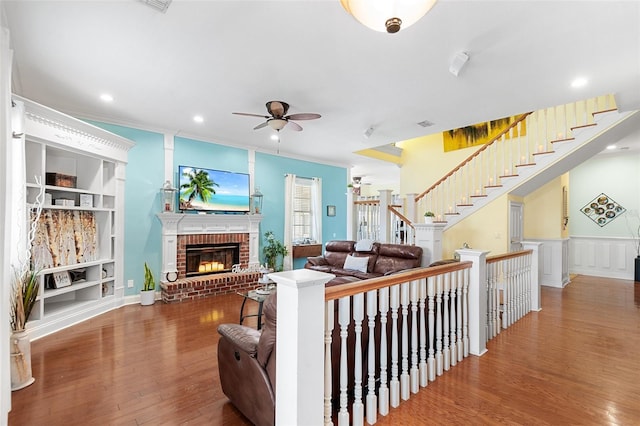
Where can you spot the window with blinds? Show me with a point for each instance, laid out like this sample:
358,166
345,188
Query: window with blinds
302,211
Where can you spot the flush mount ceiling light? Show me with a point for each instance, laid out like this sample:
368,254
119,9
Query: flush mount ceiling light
579,82
387,15
105,97
198,119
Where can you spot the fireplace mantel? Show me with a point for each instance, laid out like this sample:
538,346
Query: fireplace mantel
175,224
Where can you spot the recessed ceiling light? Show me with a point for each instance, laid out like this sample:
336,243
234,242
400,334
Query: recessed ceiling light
106,97
611,147
579,82
274,137
198,118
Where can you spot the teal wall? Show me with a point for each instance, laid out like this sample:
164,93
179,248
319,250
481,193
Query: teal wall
142,229
145,176
269,177
189,152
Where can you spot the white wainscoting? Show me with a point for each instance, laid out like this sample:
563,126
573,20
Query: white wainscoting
554,261
611,257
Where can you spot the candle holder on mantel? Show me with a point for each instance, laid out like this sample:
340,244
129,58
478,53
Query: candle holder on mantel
168,197
256,202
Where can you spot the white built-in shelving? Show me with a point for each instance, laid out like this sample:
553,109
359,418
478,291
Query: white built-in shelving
57,143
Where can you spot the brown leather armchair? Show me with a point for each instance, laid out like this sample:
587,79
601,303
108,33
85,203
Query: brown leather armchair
247,366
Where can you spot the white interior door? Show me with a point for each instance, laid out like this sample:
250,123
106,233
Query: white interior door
516,225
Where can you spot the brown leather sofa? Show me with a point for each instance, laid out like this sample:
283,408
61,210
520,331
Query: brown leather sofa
383,259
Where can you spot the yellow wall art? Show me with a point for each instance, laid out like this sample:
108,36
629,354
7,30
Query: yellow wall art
482,133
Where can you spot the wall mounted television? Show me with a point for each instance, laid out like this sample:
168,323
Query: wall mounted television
201,189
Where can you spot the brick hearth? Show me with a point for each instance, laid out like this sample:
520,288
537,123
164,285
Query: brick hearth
208,285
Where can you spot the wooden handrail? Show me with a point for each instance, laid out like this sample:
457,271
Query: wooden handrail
505,256
472,156
349,289
401,216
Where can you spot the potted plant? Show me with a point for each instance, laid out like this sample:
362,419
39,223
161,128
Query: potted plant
23,298
428,217
148,293
273,251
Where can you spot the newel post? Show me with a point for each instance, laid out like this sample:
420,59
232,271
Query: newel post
429,237
477,299
300,346
385,198
536,264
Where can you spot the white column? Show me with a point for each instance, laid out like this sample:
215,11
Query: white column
300,346
7,185
477,299
351,217
429,237
536,264
385,201
410,207
168,159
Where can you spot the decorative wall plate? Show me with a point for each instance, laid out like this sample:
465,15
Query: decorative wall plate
602,209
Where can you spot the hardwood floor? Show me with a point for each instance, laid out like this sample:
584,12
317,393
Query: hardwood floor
575,362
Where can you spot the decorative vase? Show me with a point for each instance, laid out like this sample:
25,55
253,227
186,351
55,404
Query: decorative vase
428,219
147,297
20,346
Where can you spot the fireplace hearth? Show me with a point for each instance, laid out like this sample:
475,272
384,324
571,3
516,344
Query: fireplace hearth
203,259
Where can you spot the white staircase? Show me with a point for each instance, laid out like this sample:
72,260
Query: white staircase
542,146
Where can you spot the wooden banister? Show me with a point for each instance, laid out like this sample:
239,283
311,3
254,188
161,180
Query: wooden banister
349,289
401,216
472,156
505,256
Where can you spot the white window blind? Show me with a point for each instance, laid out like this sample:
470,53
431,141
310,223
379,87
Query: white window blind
303,211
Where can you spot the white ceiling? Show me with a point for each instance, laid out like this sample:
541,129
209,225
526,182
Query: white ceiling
217,57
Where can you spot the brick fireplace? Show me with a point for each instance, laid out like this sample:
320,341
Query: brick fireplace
180,231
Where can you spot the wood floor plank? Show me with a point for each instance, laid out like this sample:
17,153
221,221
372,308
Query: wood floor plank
574,362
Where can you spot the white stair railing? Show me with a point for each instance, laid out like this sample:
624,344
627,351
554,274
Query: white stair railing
521,146
509,290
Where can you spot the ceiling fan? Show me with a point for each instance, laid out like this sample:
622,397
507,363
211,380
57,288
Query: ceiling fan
278,118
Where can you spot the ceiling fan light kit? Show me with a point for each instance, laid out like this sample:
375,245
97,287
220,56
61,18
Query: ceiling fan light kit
387,15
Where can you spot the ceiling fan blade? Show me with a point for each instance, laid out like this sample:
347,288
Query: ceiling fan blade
294,126
303,116
260,126
250,115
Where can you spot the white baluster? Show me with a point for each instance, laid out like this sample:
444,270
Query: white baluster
404,377
413,296
431,360
343,320
452,322
446,352
394,384
358,316
383,392
459,345
465,313
423,333
506,301
372,402
439,357
328,329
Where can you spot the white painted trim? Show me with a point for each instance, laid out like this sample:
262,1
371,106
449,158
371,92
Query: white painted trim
611,257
